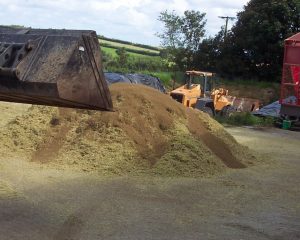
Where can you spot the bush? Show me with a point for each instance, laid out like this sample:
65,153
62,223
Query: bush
245,119
133,63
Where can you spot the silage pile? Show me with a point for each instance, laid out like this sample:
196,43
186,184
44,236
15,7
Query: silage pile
10,110
148,133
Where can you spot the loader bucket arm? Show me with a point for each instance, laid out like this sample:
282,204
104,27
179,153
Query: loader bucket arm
52,67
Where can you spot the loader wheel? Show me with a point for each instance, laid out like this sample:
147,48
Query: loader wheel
227,111
208,110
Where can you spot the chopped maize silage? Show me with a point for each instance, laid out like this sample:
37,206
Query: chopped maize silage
148,133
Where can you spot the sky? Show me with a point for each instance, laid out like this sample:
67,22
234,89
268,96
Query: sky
130,20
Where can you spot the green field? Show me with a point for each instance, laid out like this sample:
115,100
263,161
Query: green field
128,46
112,51
140,60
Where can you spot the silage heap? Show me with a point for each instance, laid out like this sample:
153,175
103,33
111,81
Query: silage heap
148,133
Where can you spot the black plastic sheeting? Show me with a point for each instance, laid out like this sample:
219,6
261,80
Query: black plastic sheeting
135,78
273,109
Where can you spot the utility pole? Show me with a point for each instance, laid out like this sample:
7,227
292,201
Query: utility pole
226,25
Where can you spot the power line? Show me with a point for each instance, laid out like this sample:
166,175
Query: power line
226,24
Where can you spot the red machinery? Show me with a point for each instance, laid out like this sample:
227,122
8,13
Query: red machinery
290,85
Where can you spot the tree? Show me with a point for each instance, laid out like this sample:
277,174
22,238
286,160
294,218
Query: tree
256,41
182,36
209,52
171,36
193,24
122,56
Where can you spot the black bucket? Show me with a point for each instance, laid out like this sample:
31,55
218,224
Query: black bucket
52,67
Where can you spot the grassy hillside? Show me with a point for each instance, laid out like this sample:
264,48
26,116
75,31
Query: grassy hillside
129,43
140,62
140,58
128,46
120,45
112,51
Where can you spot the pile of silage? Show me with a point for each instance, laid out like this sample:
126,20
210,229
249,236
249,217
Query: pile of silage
148,133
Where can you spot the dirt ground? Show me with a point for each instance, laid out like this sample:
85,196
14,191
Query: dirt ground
265,95
261,202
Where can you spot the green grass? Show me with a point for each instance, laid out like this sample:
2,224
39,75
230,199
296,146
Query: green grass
135,63
112,51
245,119
165,77
120,45
129,43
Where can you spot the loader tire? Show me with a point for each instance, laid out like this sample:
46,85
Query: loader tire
227,111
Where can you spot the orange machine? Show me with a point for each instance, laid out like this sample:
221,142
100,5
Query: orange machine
189,93
211,100
222,103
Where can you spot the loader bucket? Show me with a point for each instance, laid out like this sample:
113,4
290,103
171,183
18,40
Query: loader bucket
52,67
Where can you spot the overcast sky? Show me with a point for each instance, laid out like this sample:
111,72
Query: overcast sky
132,20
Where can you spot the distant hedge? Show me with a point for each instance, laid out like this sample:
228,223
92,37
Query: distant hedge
143,52
129,43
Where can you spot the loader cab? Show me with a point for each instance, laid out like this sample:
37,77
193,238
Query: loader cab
213,100
196,85
204,79
187,95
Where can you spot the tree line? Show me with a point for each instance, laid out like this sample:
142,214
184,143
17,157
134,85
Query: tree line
253,48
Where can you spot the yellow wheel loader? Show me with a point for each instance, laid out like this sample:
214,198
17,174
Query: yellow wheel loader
52,67
205,97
